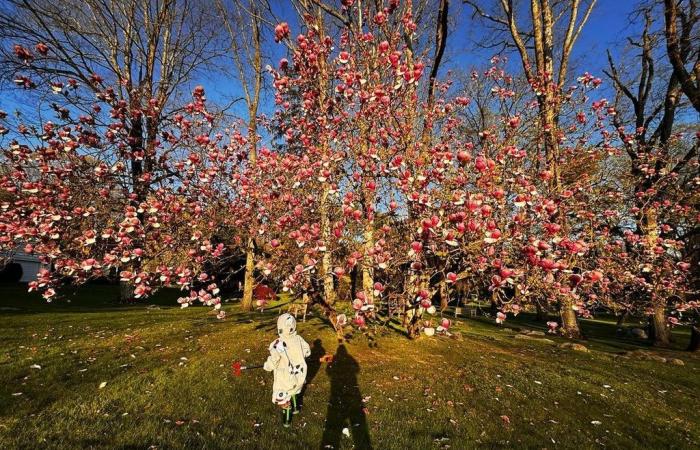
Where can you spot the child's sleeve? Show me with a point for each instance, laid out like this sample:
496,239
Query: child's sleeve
305,349
272,360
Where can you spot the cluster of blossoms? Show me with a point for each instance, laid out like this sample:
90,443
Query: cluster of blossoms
370,182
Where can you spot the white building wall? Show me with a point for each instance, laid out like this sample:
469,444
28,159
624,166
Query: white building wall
30,266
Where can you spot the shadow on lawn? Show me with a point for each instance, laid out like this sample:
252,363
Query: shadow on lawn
601,331
317,351
345,403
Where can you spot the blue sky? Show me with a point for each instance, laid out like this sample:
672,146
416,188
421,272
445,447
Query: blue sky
608,27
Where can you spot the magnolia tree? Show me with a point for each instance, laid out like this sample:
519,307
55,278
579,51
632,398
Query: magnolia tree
415,212
369,183
645,246
121,77
70,200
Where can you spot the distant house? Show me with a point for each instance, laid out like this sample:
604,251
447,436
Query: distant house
30,266
21,267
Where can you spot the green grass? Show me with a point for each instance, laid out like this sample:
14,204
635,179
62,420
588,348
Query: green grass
169,384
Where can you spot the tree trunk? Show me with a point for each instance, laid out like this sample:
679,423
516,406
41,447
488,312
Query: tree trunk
248,278
367,265
619,328
694,338
326,261
551,144
540,316
569,322
353,282
324,207
330,312
444,295
661,334
406,302
126,292
494,303
621,319
412,325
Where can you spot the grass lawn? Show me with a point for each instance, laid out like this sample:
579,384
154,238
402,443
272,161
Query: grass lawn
168,384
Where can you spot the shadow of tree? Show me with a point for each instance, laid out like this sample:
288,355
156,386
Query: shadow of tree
345,408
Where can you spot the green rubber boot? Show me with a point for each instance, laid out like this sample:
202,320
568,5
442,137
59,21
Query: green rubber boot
287,417
296,407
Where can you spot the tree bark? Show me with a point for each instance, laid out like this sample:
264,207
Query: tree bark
494,303
249,275
621,319
569,322
678,47
661,334
248,278
367,263
444,295
126,291
540,316
324,84
353,283
330,313
326,261
412,325
440,43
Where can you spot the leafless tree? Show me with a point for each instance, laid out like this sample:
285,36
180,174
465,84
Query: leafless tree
683,45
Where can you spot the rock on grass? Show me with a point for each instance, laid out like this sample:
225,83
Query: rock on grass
575,347
532,338
649,356
533,332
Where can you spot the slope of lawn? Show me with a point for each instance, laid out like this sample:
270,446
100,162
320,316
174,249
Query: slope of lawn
166,383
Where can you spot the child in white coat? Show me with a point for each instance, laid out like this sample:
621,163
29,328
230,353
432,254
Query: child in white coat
288,364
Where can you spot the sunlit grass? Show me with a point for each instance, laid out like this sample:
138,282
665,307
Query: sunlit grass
168,384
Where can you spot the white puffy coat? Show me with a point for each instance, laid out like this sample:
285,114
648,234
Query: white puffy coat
286,360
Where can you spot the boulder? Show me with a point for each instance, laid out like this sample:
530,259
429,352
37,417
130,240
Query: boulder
533,338
533,333
575,347
648,356
639,333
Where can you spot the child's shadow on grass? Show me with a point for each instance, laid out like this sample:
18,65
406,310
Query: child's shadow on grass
345,409
317,351
312,367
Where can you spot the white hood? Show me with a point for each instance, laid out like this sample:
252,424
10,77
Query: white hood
286,325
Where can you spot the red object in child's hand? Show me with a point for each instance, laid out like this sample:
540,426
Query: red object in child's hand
237,368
